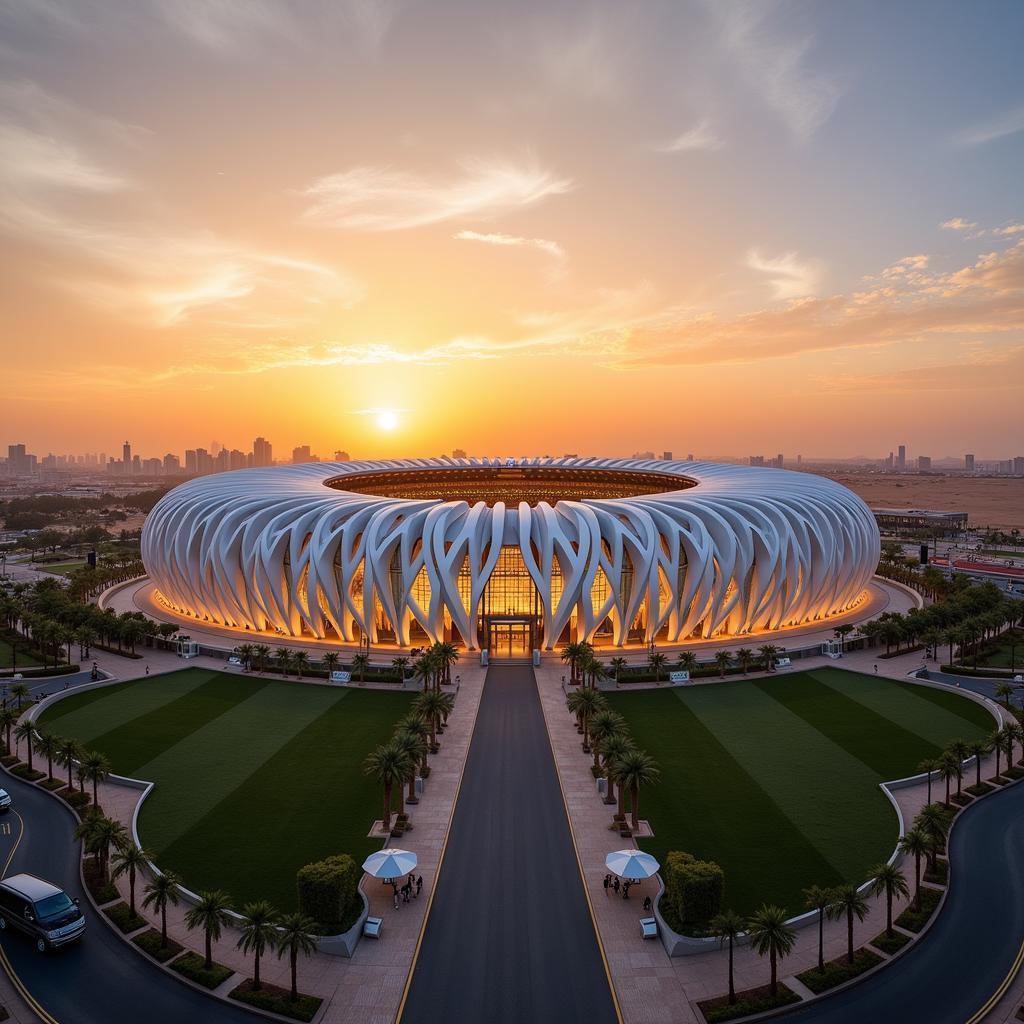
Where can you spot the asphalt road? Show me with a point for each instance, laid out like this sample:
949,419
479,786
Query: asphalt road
510,937
97,980
948,976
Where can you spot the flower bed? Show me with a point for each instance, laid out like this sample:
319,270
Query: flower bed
277,1000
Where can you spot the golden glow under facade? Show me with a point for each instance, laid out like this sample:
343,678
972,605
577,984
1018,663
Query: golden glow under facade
511,555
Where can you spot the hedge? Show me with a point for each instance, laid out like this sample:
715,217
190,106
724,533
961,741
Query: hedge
41,673
693,888
328,893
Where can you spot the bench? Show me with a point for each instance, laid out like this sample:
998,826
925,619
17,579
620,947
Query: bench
372,927
649,927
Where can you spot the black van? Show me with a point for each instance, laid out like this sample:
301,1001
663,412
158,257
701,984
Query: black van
41,910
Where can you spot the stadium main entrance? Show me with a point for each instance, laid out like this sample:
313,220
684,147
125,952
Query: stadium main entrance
510,637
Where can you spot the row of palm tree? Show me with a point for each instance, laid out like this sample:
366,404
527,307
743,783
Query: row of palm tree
396,763
950,764
86,765
606,735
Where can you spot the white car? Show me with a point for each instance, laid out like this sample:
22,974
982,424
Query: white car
5,800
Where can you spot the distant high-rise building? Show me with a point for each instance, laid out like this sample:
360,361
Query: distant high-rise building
666,456
215,448
172,465
459,453
236,459
204,462
1018,465
301,454
262,452
191,465
969,463
799,459
924,463
19,461
136,466
757,460
126,456
779,461
901,457
341,455
689,457
1005,467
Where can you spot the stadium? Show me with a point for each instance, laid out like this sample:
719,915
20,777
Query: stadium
510,555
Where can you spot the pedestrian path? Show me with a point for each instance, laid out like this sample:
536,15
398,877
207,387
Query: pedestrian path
510,936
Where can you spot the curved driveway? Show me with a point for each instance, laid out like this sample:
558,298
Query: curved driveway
98,980
950,975
510,938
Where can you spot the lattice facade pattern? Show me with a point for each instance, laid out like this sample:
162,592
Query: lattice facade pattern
287,549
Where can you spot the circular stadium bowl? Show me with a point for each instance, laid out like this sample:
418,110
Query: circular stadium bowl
539,552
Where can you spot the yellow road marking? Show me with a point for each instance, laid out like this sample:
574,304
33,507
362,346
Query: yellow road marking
437,873
1001,991
45,1017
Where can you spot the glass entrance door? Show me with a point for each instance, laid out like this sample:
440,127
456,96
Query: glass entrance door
510,639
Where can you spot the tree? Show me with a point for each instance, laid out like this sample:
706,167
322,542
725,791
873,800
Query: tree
8,720
245,655
687,662
613,749
97,769
261,652
389,765
259,933
161,891
1004,691
605,723
25,731
635,769
283,657
431,705
849,903
129,860
820,899
728,926
296,936
300,659
949,769
570,653
416,725
584,704
47,745
100,834
888,881
772,937
934,824
68,752
768,653
928,767
20,691
415,746
997,740
210,914
915,844
745,656
978,749
657,661
958,752
723,659
618,666
360,663
399,667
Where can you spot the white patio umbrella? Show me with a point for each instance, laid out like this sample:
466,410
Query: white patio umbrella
631,864
389,863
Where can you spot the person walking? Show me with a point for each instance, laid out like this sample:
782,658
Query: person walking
419,885
625,890
607,882
647,904
396,898
615,886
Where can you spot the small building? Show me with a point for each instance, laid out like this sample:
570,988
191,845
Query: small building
893,520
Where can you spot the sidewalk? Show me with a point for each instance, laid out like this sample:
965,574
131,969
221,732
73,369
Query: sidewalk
652,987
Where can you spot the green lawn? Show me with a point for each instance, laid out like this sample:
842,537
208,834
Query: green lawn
254,777
999,655
25,660
777,779
60,568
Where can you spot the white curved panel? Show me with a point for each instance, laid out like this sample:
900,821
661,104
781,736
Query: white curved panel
743,550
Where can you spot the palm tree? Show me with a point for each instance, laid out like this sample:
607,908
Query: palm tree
414,746
657,662
245,655
129,860
25,731
389,764
687,662
849,903
446,655
295,936
360,663
819,899
584,704
996,740
161,891
8,720
949,769
47,745
19,690
723,659
928,767
1014,733
416,725
399,666
68,752
978,749
888,881
633,770
571,653
959,752
100,834
772,937
301,660
283,657
97,769
330,662
613,749
210,914
605,723
1004,691
261,652
431,705
915,844
745,656
728,926
767,653
618,666
259,933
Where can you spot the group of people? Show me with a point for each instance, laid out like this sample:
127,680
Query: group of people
410,889
612,884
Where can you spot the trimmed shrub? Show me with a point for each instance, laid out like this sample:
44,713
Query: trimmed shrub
152,943
277,1000
193,967
328,893
693,888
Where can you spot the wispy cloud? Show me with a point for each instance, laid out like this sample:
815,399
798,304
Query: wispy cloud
1010,229
775,66
958,224
1009,123
700,136
789,276
382,199
498,238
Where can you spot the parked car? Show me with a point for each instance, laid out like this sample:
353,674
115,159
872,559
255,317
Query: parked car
46,914
5,800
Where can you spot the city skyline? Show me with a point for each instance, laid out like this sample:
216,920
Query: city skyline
758,223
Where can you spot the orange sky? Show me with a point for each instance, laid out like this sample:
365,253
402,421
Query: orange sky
703,227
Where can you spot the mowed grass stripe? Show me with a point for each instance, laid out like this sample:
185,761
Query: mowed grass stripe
798,767
708,804
88,715
200,770
333,815
139,741
886,748
935,715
